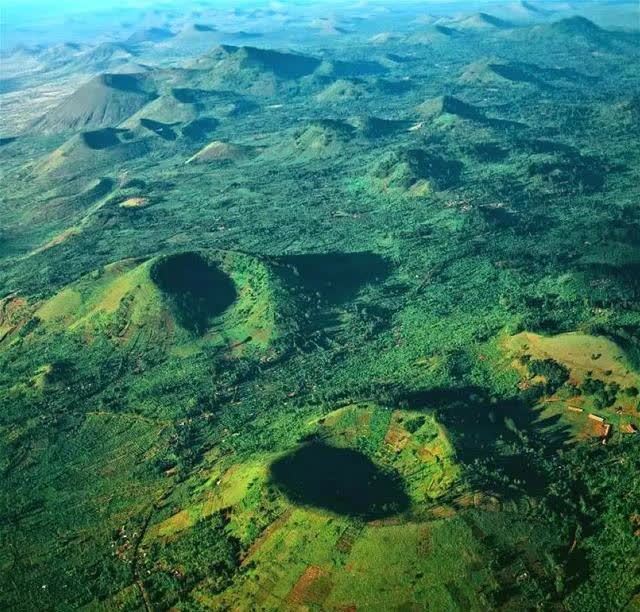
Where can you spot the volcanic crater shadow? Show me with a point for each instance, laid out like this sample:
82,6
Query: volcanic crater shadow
503,443
336,277
104,138
197,288
340,480
164,130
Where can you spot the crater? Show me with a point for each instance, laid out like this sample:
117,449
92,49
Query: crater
197,289
340,480
161,129
101,139
199,129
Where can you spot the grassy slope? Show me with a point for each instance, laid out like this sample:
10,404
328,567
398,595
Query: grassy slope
100,472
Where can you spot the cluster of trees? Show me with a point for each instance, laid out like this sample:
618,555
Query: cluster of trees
555,374
206,551
605,394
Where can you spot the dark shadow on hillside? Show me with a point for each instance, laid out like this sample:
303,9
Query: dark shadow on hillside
503,124
507,448
403,169
356,68
517,74
164,130
126,82
399,59
375,127
198,289
492,152
571,172
394,88
341,480
454,106
335,278
283,65
11,84
447,31
430,165
102,139
200,129
548,147
187,95
495,21
625,275
206,98
201,27
556,74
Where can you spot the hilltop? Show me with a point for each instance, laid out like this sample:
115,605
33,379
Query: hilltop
576,26
220,102
445,110
495,71
104,101
61,53
449,105
343,90
482,72
578,30
104,57
253,70
322,138
480,22
150,35
163,302
218,151
416,172
377,127
193,38
194,112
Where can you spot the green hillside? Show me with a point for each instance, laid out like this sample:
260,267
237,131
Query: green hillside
320,306
104,101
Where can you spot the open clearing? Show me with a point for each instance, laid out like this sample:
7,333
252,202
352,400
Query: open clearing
581,353
586,358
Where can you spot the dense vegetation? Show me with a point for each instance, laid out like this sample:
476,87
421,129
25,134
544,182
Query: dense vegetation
355,326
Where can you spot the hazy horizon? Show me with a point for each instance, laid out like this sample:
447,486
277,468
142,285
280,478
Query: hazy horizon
37,22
